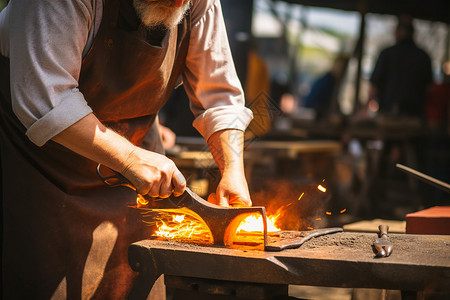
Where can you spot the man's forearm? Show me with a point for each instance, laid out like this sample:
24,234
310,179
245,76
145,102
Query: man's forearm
90,138
149,172
227,148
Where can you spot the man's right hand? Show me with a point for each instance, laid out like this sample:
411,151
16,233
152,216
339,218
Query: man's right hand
153,174
150,172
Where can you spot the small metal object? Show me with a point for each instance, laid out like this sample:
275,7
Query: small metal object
382,245
295,242
114,180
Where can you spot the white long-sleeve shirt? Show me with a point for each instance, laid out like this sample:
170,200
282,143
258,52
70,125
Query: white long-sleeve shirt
45,41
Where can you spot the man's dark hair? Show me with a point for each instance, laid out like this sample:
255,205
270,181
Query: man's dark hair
405,26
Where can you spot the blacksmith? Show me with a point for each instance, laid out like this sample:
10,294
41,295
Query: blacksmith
81,83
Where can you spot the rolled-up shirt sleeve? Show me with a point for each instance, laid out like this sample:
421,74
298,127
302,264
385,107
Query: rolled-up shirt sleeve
210,79
47,39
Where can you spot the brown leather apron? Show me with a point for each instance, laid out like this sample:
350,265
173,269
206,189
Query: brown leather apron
65,233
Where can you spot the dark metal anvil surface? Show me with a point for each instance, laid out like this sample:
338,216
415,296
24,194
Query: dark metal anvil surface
419,263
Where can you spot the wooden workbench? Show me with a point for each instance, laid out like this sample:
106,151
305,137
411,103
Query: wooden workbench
292,149
417,263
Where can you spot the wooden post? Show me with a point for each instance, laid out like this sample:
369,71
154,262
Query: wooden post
359,54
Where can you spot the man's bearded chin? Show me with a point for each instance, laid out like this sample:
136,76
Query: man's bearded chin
160,13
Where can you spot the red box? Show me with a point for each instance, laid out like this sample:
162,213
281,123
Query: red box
434,220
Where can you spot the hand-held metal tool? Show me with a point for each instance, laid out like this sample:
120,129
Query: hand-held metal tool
382,245
222,221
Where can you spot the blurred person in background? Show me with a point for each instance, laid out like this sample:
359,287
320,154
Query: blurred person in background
325,88
399,84
402,75
438,119
257,91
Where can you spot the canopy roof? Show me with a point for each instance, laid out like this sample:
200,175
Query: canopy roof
433,10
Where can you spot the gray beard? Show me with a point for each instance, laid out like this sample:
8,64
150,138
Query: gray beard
155,14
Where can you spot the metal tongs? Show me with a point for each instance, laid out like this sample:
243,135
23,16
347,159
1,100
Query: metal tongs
382,245
218,218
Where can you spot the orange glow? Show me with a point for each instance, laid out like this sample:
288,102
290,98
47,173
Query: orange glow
141,201
249,232
179,224
184,225
321,188
178,218
318,219
254,223
310,228
343,211
328,213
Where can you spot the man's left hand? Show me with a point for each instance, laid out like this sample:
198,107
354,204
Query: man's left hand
231,191
226,146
